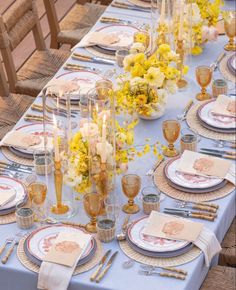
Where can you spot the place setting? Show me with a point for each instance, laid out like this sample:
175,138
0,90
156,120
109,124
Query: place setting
215,118
105,41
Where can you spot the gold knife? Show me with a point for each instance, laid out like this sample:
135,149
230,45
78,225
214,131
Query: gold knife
109,263
100,265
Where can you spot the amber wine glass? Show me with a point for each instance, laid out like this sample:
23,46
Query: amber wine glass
92,204
203,76
37,195
171,131
131,185
230,30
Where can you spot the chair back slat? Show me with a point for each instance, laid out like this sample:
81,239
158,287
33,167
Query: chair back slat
4,89
19,20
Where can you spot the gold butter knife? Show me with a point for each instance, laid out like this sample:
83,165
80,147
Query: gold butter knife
109,263
100,265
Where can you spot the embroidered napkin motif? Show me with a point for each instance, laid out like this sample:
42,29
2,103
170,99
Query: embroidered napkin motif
169,227
67,247
201,164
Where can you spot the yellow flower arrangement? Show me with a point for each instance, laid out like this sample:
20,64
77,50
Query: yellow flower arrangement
202,17
149,79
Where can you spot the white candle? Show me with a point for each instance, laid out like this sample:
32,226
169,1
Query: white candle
181,20
163,11
104,132
55,136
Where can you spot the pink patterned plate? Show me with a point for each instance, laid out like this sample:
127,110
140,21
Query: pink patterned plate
187,180
40,240
218,121
150,243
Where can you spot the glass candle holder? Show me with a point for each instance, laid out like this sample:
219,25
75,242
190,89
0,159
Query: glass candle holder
120,56
150,199
106,228
43,161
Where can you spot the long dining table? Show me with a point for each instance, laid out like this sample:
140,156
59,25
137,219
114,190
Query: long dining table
14,276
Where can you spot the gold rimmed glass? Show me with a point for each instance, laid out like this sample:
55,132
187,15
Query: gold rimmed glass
203,76
92,204
131,185
171,131
230,30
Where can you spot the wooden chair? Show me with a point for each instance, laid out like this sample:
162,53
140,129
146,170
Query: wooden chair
220,278
12,106
74,25
15,24
228,254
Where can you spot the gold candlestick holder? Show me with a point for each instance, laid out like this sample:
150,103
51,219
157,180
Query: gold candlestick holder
181,83
161,38
101,182
59,208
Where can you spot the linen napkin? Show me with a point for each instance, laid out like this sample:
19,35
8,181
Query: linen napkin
170,227
114,39
21,140
224,106
6,195
25,141
209,244
97,38
60,262
167,226
204,165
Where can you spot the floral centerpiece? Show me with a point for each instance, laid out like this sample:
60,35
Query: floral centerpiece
202,16
149,80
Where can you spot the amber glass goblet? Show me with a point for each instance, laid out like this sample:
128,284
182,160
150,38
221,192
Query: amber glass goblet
92,204
37,195
131,185
230,30
171,131
203,76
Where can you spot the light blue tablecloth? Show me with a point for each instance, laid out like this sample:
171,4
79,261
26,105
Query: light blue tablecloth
14,276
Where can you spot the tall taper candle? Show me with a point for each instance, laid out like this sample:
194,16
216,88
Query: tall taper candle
104,132
181,21
163,12
55,139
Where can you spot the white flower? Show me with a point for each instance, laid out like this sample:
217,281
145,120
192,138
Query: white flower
209,33
171,86
162,96
108,149
155,77
137,47
89,130
193,15
71,178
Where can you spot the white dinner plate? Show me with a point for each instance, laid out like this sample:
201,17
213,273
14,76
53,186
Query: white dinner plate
17,188
188,180
85,81
40,240
218,121
36,129
150,243
124,32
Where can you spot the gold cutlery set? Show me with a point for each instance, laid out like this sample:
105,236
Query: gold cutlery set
101,270
205,211
169,272
13,241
